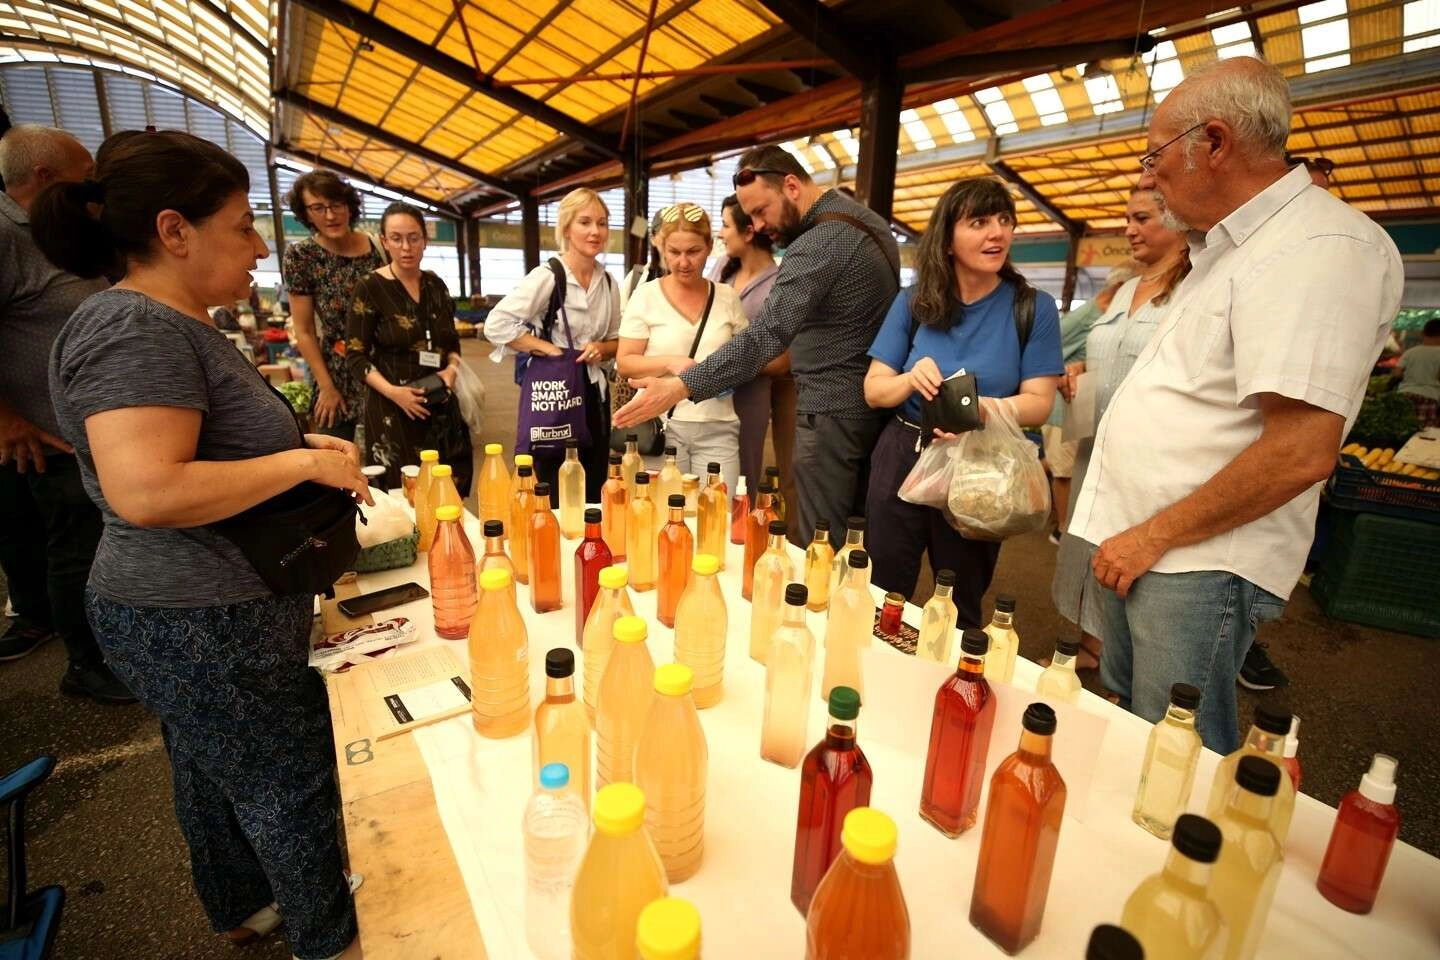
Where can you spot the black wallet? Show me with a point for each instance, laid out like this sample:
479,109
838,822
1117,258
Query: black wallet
955,409
435,390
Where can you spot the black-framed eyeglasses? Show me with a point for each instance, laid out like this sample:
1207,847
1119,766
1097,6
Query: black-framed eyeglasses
746,175
320,209
1147,162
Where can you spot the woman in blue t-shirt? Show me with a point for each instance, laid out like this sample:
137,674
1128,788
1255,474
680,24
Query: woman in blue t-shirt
962,313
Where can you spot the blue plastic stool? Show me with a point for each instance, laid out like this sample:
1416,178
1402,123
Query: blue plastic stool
30,920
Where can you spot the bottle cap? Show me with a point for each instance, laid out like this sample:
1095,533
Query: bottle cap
1378,784
525,470
670,450
1039,718
1272,719
630,629
858,559
1005,603
822,524
668,929
448,512
740,487
893,599
796,594
705,564
1109,942
572,444
676,500
1292,738
945,578
1068,646
1185,696
869,836
674,679
778,528
766,486
689,478
495,579
975,642
1258,775
429,456
542,489
560,662
844,703
615,458
619,809
772,471
592,515
642,477
493,449
524,460
442,470
712,467
494,528
410,470
855,523
554,776
1197,838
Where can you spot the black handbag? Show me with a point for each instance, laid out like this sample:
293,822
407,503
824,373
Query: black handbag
955,409
299,541
436,393
650,435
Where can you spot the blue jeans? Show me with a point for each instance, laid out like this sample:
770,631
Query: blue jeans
1190,628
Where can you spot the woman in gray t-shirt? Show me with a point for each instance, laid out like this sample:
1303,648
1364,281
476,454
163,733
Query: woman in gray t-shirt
175,431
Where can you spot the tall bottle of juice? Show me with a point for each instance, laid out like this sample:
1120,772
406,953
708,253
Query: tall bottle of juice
773,570
452,576
672,764
442,493
668,484
1360,845
701,623
499,661
1059,680
562,727
712,520
640,538
788,679
626,691
544,554
937,621
854,540
631,463
772,477
1022,829
614,505
1265,739
556,827
494,485
1291,754
819,565
1171,913
423,507
495,557
757,536
1169,769
572,492
1004,642
612,603
849,627
858,909
960,731
591,557
1109,942
740,513
690,486
522,505
1245,877
834,779
668,929
675,552
619,874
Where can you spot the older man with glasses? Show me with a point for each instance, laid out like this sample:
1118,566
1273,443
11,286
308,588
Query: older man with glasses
1203,487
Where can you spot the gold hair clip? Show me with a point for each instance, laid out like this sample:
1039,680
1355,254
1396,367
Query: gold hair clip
675,211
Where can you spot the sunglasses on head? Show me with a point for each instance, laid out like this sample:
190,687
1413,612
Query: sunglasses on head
747,175
1324,164
675,211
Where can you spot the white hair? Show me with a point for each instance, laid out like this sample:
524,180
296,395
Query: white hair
26,146
1251,97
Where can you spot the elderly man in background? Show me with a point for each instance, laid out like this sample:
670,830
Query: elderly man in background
1203,488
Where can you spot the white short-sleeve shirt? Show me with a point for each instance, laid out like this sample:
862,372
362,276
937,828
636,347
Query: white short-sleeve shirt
593,312
1292,294
650,316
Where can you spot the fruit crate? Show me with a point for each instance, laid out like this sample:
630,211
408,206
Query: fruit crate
1381,571
1353,487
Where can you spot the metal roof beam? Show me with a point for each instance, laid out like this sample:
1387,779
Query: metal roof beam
311,157
1004,171
1035,58
976,17
820,25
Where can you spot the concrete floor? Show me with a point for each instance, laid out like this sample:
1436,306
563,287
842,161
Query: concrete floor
104,828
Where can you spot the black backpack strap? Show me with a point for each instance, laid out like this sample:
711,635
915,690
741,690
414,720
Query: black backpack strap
1024,314
557,300
864,227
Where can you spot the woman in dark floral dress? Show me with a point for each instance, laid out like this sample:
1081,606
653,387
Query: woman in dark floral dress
401,329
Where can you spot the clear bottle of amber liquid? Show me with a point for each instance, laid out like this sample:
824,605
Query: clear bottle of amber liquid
713,516
1059,679
819,566
626,691
701,623
522,505
423,507
612,603
757,536
452,579
1171,912
772,477
640,537
1169,769
619,874
1245,877
1004,641
676,551
591,557
631,463
614,506
521,460
789,675
499,661
494,485
937,621
854,540
495,557
544,554
442,494
740,514
834,779
859,909
572,493
849,628
670,481
1018,841
773,571
1265,739
1365,831
960,732
672,764
562,727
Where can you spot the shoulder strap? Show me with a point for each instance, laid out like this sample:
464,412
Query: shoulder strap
704,318
862,225
557,299
1024,313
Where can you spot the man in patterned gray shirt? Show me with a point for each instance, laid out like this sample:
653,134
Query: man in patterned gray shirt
838,276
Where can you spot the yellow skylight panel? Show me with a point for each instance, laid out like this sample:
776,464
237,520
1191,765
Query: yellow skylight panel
1046,99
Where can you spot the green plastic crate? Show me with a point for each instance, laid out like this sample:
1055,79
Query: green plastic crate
1382,572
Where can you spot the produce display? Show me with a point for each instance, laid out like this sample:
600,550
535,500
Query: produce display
1378,460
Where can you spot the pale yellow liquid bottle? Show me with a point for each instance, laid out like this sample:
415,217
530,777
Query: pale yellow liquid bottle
701,624
1004,642
672,764
668,929
1245,877
788,681
640,537
937,621
499,661
522,505
428,459
619,875
611,603
773,570
631,464
1168,773
819,566
626,691
1265,739
494,486
670,481
849,628
572,493
1059,680
1171,913
854,540
442,494
713,519
562,727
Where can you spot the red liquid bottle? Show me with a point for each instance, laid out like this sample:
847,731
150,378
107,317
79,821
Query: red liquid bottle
891,614
739,513
757,535
959,740
1364,835
834,779
592,556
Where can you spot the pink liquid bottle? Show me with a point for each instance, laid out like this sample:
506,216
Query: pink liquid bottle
452,576
739,513
592,556
1365,830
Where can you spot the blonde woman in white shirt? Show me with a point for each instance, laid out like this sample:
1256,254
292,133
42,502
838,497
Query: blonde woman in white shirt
592,309
662,320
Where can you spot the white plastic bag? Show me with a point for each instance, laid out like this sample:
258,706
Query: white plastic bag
928,483
385,521
997,485
470,394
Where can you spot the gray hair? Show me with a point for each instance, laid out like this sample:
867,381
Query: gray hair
1247,94
26,146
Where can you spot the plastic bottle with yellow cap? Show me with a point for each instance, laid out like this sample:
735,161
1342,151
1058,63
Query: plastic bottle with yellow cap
452,579
671,765
494,485
669,929
428,459
859,909
701,624
626,692
442,493
619,875
612,603
499,661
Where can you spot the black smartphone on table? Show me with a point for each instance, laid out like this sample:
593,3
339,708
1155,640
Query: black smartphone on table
364,603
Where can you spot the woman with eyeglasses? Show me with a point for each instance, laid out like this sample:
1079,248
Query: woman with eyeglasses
674,322
401,341
320,272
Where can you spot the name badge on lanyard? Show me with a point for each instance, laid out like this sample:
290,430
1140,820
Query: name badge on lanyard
430,358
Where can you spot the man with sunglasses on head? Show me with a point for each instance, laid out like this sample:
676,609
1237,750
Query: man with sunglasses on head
837,279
